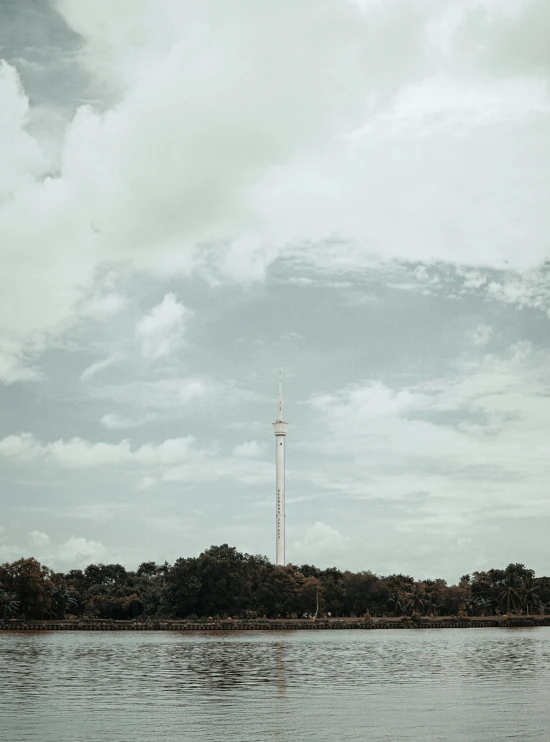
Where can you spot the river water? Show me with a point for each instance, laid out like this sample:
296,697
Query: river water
452,685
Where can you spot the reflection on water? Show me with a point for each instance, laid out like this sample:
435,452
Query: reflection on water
379,685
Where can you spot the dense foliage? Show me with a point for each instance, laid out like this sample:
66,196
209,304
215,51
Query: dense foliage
223,582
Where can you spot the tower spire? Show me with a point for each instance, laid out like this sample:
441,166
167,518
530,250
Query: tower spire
280,395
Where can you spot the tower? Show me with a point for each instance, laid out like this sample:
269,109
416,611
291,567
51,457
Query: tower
280,429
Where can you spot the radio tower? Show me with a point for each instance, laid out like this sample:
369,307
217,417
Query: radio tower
280,429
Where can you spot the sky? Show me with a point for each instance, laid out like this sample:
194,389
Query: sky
194,195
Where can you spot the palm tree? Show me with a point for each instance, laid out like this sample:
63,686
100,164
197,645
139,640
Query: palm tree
395,604
9,605
481,605
416,599
531,599
510,598
432,603
62,600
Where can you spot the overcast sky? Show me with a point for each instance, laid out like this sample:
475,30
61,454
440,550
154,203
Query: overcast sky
194,194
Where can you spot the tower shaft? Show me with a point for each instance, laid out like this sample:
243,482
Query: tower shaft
280,429
280,500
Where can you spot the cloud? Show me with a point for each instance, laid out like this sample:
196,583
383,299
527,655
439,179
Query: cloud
271,161
171,460
102,306
14,363
10,552
481,335
321,545
398,145
76,552
38,538
122,152
72,454
112,421
146,483
170,451
20,447
98,366
161,331
162,394
79,552
22,159
249,449
464,443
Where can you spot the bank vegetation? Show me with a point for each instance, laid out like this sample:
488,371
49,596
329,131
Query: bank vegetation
223,582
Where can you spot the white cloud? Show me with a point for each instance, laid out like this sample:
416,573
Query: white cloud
163,394
38,538
405,132
79,552
171,451
72,454
14,365
10,552
466,442
263,153
481,335
20,447
321,545
161,332
208,467
172,460
441,101
112,421
22,159
80,454
248,449
146,483
102,306
98,366
76,552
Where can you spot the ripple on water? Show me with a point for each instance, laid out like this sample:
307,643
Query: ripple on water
393,685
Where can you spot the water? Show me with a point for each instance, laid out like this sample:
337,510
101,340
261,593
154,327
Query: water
452,685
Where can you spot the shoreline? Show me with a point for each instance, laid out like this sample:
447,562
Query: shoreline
287,624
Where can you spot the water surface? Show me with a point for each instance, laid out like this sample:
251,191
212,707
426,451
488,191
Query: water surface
394,685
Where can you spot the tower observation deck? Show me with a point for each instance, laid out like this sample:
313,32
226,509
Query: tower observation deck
280,428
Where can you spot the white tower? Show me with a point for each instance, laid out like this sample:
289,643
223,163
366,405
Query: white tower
280,428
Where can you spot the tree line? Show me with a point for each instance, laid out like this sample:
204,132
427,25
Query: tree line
223,582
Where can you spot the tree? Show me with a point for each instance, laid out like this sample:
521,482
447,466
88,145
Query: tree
278,595
510,597
529,595
31,585
9,605
225,582
416,598
309,594
147,569
63,599
396,603
105,574
361,592
333,590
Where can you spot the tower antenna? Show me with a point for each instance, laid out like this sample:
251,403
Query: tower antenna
280,395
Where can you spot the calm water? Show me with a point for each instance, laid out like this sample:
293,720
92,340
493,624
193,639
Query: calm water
476,684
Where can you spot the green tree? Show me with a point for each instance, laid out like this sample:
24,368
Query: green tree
31,585
396,603
63,601
530,596
416,599
9,605
510,596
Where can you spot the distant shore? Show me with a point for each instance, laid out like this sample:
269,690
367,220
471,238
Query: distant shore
288,624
